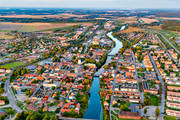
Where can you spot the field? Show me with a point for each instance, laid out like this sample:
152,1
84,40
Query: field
128,19
12,65
155,27
27,28
148,20
32,27
169,18
171,25
7,27
63,15
4,36
132,29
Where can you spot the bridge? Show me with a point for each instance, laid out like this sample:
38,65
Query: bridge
110,54
97,74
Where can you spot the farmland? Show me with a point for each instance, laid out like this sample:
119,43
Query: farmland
171,25
32,27
4,36
148,20
9,27
132,29
63,15
128,19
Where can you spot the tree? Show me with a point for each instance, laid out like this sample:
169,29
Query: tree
1,90
36,64
145,110
110,91
84,99
46,117
28,101
86,81
157,112
121,107
10,111
106,67
53,88
53,117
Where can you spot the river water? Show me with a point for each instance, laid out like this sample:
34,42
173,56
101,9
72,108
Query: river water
94,110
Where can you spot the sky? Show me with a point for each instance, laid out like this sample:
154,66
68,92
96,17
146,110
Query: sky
111,4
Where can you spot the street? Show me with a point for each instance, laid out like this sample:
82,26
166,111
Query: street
162,83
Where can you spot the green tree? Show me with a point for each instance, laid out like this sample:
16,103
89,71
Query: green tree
46,117
145,110
157,112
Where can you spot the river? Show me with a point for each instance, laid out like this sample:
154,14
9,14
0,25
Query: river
94,110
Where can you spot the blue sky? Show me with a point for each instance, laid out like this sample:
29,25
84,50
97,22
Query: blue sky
117,4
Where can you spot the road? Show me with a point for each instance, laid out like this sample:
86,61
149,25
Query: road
169,55
166,39
138,80
37,89
151,112
11,97
91,37
114,83
170,43
162,83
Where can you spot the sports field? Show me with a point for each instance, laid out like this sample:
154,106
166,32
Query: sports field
12,65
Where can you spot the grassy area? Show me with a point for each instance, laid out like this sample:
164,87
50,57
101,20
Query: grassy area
113,113
174,85
154,99
173,109
117,111
171,38
14,91
172,25
12,65
27,28
151,83
19,104
9,111
169,118
164,41
113,118
150,99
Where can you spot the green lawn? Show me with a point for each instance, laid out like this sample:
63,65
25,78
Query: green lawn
155,100
150,99
12,65
169,118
